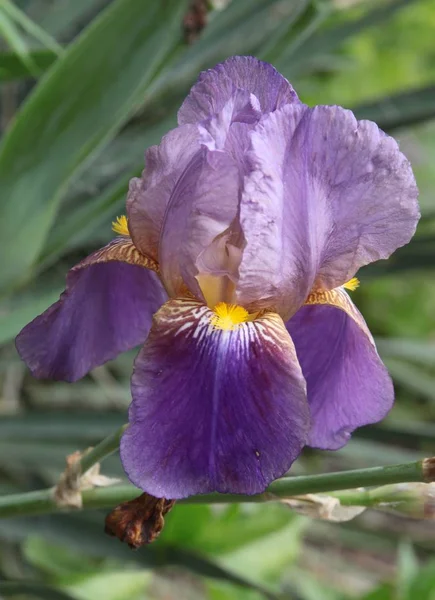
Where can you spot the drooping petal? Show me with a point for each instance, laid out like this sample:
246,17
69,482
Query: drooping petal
148,196
202,206
213,410
216,86
107,308
326,195
347,384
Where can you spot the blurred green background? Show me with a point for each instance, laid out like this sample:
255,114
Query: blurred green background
86,87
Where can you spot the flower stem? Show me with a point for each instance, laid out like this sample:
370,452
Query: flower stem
105,448
34,503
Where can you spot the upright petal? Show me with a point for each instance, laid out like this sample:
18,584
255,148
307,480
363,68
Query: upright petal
326,195
277,267
107,308
216,86
148,196
202,206
347,384
213,410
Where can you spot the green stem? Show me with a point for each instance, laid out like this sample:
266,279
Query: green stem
108,446
33,503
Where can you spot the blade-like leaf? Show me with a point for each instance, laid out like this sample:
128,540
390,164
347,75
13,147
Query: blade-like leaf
412,377
12,67
14,318
33,589
242,28
76,225
15,40
30,27
61,19
80,104
84,533
419,254
82,428
400,110
300,56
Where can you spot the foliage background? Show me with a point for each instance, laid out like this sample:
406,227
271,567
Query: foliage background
85,87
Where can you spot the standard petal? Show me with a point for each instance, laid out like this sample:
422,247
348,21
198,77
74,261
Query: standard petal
148,196
202,206
213,410
347,384
326,195
277,267
107,308
216,86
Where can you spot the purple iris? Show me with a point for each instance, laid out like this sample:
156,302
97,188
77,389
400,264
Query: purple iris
250,220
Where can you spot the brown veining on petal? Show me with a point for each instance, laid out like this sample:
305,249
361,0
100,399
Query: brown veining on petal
139,521
339,298
120,249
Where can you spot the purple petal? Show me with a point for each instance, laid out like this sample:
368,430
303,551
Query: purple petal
216,86
213,410
347,384
202,206
106,309
277,268
242,109
326,195
148,197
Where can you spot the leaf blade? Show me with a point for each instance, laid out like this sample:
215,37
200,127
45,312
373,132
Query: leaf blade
62,125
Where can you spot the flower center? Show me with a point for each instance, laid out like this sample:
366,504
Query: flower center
229,316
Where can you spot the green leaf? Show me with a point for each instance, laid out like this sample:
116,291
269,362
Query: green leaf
79,427
12,66
9,31
56,559
301,56
117,584
407,568
423,585
76,225
263,559
84,533
81,103
30,27
62,19
14,317
418,255
416,351
34,589
242,28
400,110
412,377
383,592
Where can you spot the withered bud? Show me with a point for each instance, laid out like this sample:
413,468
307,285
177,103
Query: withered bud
138,521
195,20
428,467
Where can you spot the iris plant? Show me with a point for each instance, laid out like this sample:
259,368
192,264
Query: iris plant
249,223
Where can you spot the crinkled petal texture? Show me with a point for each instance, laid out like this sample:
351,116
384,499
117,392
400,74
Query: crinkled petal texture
213,410
106,309
326,195
216,86
347,384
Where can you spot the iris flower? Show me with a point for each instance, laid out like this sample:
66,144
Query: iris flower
249,223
